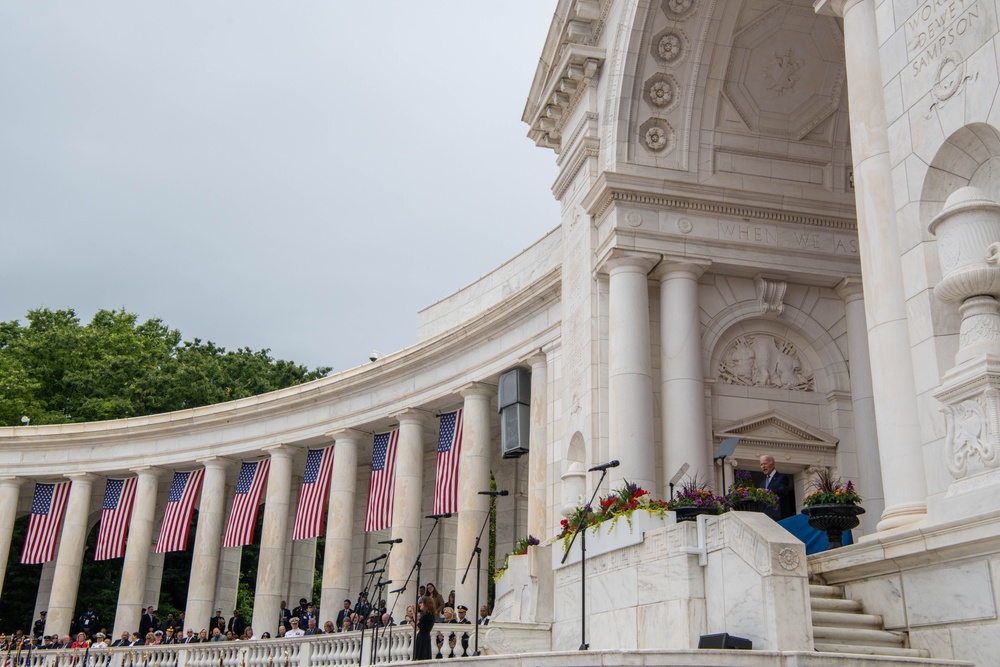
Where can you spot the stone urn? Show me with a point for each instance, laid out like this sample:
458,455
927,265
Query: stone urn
968,244
833,519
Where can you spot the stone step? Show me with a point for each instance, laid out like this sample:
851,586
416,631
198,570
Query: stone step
833,604
874,650
823,591
857,636
846,620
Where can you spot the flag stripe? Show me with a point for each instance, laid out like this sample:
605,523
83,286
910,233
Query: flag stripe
119,496
314,493
449,452
177,517
47,509
246,501
380,492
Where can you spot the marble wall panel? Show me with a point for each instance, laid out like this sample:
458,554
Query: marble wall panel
943,595
882,596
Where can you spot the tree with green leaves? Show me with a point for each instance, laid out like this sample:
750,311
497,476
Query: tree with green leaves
55,370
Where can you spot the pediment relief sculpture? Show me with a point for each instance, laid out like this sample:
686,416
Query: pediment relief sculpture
764,360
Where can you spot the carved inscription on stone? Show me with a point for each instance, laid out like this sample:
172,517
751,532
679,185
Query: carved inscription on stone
937,26
763,360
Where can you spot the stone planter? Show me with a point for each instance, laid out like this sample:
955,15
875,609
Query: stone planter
606,538
834,519
692,513
749,506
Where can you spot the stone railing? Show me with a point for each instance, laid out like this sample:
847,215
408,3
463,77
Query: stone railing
341,649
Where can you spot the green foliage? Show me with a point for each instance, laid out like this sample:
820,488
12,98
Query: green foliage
20,584
55,370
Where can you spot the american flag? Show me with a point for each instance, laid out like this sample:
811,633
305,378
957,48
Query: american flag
177,518
379,515
119,495
449,451
47,510
243,518
312,497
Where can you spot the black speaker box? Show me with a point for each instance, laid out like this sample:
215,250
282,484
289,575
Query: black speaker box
514,429
724,640
514,388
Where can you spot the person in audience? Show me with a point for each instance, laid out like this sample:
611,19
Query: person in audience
121,641
98,644
284,614
451,600
135,639
312,628
39,627
203,636
281,631
328,628
344,613
385,620
432,593
236,624
266,635
217,635
148,623
484,616
81,641
346,625
362,608
462,611
296,631
230,635
300,609
190,637
248,634
168,637
448,615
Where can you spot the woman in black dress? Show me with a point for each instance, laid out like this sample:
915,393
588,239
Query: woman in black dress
422,643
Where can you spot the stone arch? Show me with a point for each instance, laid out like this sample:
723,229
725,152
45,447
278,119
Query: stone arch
576,450
970,156
810,338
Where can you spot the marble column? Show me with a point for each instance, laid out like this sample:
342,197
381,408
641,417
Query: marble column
893,385
132,590
207,543
473,477
407,497
538,448
682,395
69,558
271,565
340,519
630,380
862,401
10,491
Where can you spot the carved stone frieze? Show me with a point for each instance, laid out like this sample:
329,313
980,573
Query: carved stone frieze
973,434
670,47
657,135
764,360
771,294
662,92
679,10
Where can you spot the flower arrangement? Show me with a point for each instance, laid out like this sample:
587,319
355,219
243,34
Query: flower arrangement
744,491
622,502
520,548
830,490
696,494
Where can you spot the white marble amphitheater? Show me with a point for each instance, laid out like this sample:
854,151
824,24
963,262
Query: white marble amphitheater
779,222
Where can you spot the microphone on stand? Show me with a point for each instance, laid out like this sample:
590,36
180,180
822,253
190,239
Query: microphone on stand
446,515
395,541
375,572
377,559
493,493
604,466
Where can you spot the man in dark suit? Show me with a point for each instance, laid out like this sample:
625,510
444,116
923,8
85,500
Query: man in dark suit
148,623
781,485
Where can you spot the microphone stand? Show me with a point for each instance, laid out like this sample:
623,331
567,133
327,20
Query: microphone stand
379,587
415,568
477,555
581,530
367,590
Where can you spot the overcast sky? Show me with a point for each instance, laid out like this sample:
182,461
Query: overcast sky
296,176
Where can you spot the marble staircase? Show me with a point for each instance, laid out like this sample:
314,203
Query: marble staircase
840,626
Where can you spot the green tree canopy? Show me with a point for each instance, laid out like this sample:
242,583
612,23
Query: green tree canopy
55,370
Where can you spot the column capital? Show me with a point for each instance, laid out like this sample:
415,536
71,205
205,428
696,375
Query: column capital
218,462
11,480
474,389
834,7
850,289
282,449
148,471
346,434
537,359
410,416
81,476
679,267
629,261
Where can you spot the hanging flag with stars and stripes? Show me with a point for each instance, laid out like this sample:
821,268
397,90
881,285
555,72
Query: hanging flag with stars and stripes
449,450
243,518
47,509
312,497
379,515
119,495
177,518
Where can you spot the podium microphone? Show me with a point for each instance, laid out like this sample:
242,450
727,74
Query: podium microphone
377,559
375,572
493,493
395,541
605,466
446,515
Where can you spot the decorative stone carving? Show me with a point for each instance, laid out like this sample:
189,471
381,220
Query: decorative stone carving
657,135
763,360
771,294
684,226
662,92
782,71
973,434
788,559
679,10
951,77
669,47
633,219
